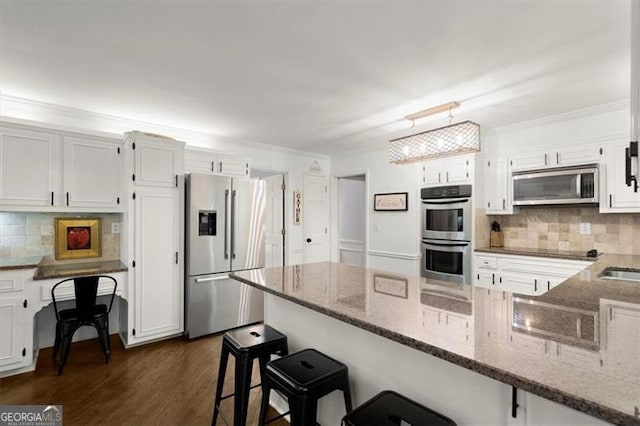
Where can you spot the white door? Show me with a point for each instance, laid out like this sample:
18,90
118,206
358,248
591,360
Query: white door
496,185
158,285
352,213
529,161
29,168
432,173
315,205
457,170
274,245
12,315
91,173
233,166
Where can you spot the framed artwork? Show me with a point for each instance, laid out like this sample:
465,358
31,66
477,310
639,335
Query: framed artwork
390,285
396,201
78,238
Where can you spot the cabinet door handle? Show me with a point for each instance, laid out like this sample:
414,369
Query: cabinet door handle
610,200
493,279
545,159
535,285
51,197
176,258
500,280
220,167
439,181
478,277
504,204
557,158
67,198
213,166
548,285
447,176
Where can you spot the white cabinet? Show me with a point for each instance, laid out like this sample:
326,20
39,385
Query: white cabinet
570,155
155,163
615,195
13,311
12,316
451,330
523,274
497,187
92,173
157,280
155,238
452,170
623,338
200,160
59,171
30,167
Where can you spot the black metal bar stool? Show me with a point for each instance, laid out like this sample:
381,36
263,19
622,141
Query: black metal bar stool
303,378
389,408
246,344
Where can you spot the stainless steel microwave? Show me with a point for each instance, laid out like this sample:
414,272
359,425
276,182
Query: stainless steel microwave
568,185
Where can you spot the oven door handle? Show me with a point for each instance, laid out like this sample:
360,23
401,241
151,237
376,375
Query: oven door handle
456,201
428,243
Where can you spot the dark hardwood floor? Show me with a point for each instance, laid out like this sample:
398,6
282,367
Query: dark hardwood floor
170,382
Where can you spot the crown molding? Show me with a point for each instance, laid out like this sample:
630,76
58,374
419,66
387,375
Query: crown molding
620,105
37,113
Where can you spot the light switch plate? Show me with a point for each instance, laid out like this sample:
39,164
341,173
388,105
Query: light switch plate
585,228
115,228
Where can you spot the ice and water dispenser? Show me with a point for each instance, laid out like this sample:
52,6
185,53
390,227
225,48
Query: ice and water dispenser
207,222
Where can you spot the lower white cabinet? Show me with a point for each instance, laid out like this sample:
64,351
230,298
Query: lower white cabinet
158,289
523,274
12,318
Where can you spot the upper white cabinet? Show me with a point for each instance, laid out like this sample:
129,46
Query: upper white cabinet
30,164
615,195
57,171
497,186
155,163
571,155
92,173
448,171
200,160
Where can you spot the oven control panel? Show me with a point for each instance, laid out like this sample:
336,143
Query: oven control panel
453,191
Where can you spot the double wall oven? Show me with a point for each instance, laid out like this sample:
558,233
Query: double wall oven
446,233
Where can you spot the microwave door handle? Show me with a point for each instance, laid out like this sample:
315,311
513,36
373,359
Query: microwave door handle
578,186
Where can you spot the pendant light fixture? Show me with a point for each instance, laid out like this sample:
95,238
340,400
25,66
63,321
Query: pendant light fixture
453,139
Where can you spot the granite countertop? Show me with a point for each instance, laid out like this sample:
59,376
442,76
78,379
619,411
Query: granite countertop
539,252
45,272
20,263
393,305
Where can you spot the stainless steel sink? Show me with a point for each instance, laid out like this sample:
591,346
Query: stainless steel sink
624,274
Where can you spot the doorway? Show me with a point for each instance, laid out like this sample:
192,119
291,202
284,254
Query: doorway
352,219
274,216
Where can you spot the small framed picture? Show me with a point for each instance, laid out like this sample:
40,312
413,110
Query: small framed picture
78,238
390,285
391,202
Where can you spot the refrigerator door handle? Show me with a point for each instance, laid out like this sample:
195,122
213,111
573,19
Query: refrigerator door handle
226,216
233,224
207,279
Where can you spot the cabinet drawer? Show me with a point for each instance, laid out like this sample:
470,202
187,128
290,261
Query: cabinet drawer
486,262
66,292
11,281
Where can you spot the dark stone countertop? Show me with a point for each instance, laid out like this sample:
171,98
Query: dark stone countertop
60,270
20,263
392,306
539,252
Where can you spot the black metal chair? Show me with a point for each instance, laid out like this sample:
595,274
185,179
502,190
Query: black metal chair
303,378
389,408
85,312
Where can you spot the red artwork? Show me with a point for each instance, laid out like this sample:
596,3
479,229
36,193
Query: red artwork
79,238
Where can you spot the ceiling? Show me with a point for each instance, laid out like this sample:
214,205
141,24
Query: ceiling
318,76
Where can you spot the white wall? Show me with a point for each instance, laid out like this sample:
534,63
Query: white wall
393,236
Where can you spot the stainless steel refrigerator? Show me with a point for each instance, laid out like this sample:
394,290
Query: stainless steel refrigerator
225,232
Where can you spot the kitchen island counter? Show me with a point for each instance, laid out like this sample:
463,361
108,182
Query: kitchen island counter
400,308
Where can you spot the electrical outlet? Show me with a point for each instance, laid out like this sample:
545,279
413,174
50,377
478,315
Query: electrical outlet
585,228
115,228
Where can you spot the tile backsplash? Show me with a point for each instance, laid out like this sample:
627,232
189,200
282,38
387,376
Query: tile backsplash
559,229
33,234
